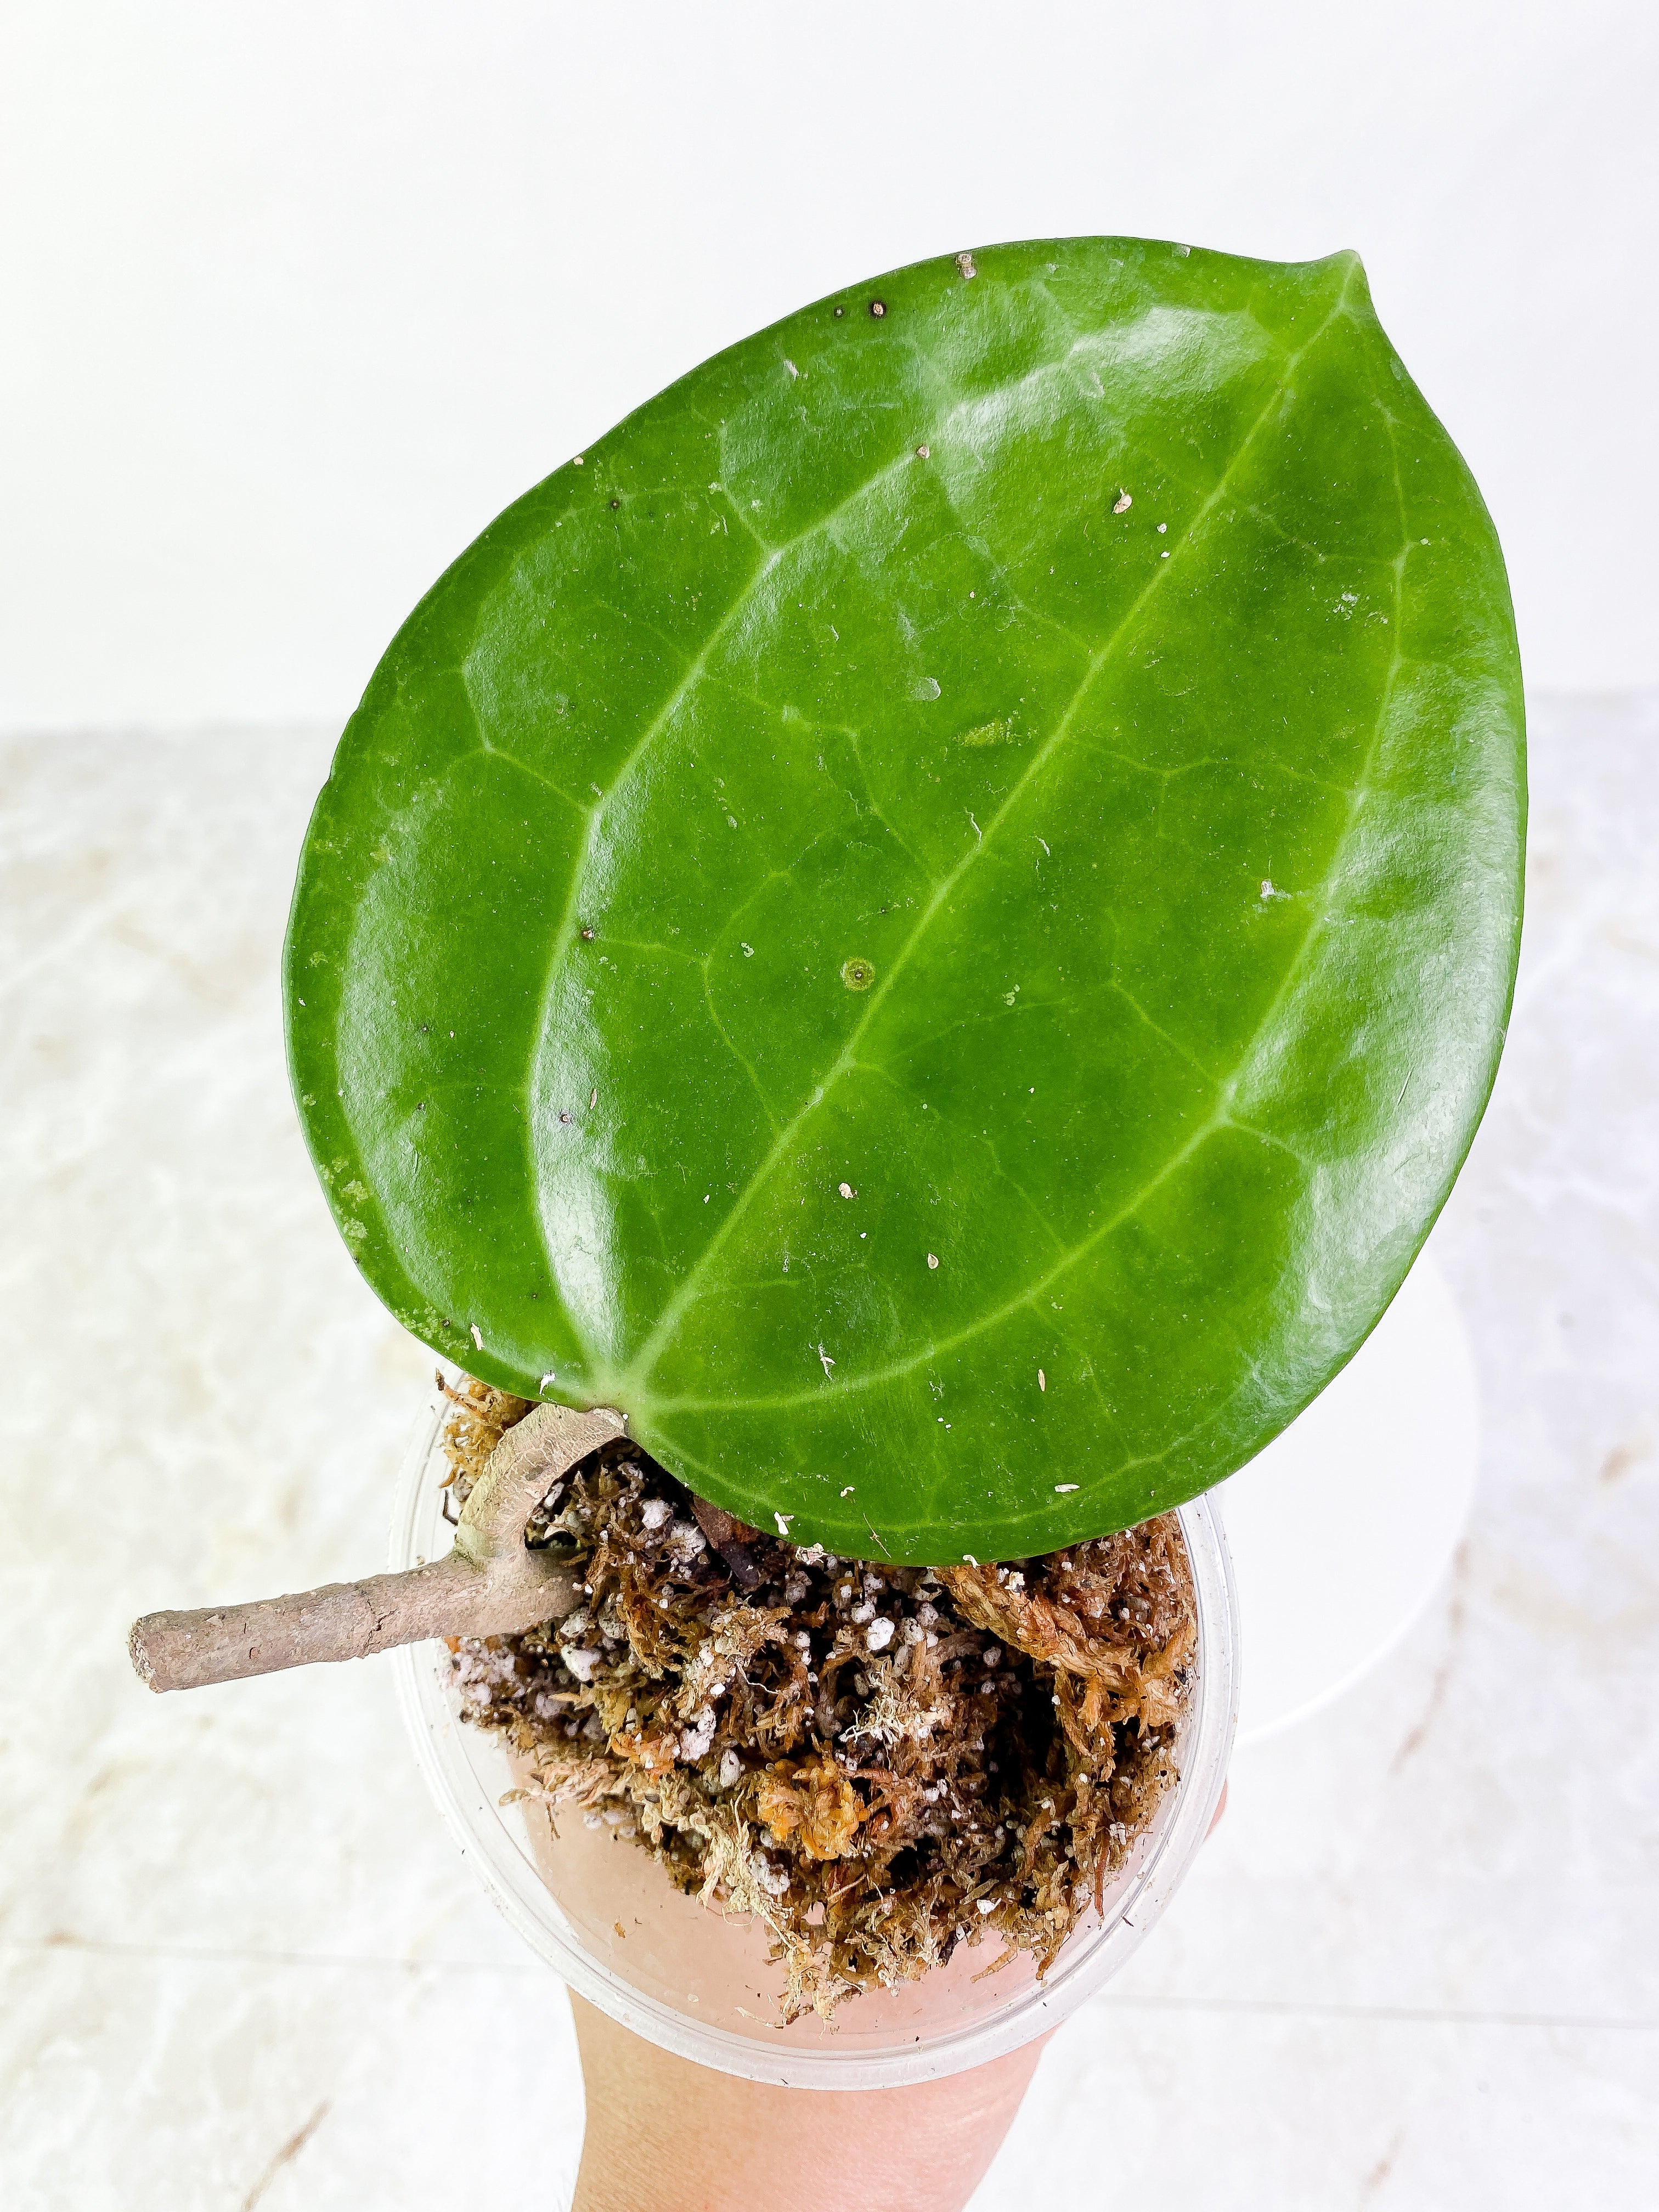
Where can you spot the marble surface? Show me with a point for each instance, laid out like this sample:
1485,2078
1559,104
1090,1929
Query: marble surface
240,1964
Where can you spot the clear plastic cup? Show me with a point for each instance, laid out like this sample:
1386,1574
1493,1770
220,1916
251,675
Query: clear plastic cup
604,1914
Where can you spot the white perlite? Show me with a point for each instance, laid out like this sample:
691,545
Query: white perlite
696,1741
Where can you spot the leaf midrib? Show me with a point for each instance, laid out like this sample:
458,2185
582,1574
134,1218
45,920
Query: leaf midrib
631,1379
1221,1118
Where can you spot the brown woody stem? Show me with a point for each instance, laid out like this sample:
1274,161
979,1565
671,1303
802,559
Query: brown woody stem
490,1584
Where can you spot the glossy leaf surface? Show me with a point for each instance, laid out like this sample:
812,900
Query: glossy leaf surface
932,917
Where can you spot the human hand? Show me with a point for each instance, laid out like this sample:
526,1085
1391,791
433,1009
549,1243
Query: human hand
664,2135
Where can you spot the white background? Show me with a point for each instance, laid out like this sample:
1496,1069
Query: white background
296,297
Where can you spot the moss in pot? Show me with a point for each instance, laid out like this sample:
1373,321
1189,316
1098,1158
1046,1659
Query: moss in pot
898,962
874,1762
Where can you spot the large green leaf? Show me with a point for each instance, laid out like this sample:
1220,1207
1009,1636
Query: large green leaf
932,917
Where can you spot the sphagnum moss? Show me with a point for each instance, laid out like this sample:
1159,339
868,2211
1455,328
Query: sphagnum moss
879,1762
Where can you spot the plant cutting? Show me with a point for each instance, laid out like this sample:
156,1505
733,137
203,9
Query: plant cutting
895,966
